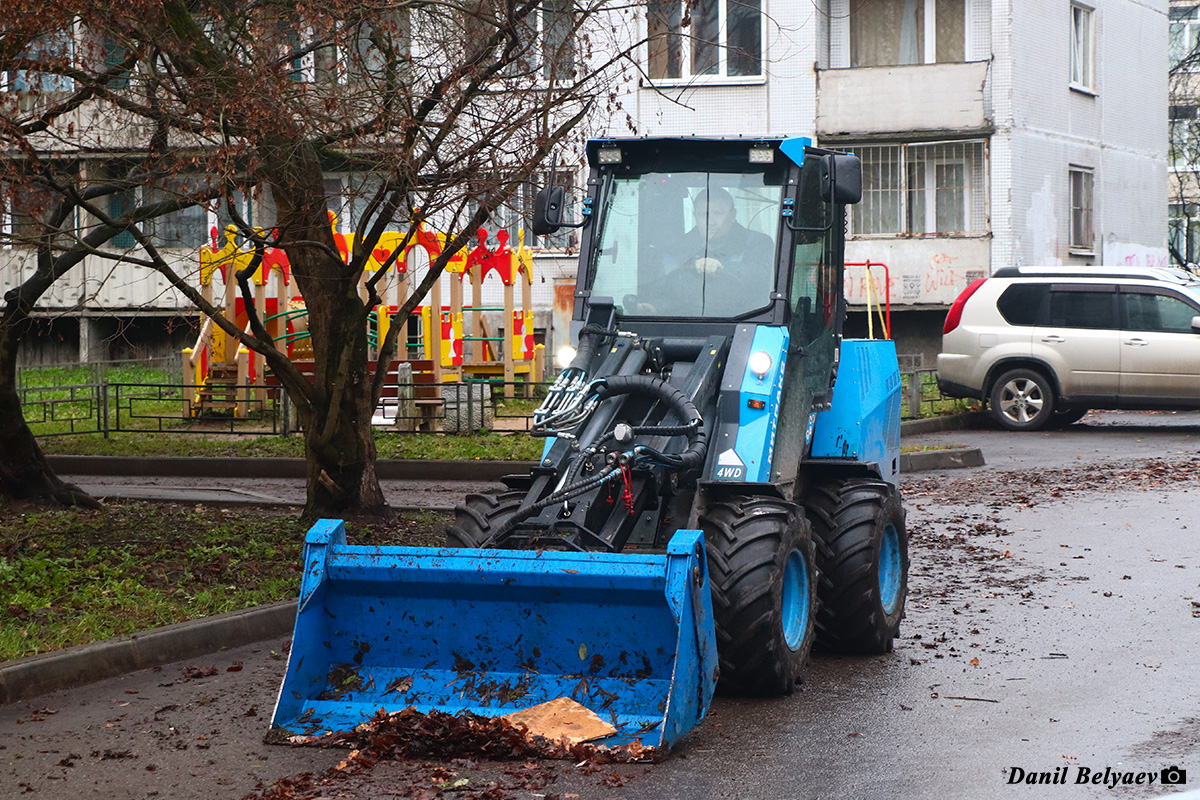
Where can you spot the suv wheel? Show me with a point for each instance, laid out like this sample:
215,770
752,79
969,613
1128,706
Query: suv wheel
1022,400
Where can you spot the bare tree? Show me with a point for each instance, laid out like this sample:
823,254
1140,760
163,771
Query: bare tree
126,112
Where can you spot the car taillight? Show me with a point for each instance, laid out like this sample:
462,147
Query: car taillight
955,315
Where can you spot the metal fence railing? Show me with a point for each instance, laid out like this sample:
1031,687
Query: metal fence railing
457,408
64,410
466,407
921,396
146,407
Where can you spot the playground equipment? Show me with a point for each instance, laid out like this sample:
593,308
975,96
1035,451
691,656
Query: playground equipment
218,369
520,355
714,444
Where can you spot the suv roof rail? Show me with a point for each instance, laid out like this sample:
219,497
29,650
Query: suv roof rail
1167,274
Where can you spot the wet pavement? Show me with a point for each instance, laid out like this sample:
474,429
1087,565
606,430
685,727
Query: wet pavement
401,494
1053,626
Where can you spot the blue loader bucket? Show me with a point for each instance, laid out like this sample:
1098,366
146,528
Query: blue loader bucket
628,636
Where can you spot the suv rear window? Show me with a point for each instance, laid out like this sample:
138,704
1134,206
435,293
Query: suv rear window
1019,303
1082,308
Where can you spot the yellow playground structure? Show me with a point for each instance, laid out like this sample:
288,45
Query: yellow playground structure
228,379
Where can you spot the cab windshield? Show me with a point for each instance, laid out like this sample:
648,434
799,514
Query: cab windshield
689,244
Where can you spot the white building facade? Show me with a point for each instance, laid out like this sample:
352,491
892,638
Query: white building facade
992,133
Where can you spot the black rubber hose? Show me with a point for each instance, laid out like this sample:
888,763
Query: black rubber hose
591,337
685,409
566,493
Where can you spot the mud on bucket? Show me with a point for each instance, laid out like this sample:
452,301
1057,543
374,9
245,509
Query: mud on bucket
629,637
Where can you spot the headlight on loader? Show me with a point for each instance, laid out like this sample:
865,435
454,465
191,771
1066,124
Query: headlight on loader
759,363
564,356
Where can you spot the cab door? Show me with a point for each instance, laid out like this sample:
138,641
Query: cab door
1160,352
1079,337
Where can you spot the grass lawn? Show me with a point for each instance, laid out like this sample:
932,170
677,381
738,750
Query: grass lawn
436,446
77,576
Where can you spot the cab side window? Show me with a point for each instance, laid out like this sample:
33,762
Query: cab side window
1020,303
1082,309
1158,313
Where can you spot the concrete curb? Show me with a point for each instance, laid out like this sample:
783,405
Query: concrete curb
953,422
388,469
65,669
926,460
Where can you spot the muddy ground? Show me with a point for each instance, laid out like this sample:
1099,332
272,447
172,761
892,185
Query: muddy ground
1053,627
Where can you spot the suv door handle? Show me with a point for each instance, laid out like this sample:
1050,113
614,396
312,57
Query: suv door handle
1135,342
1053,338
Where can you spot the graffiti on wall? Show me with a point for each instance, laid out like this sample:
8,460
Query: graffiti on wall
1125,254
939,280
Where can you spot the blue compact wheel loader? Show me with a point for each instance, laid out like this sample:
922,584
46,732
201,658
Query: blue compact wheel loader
717,490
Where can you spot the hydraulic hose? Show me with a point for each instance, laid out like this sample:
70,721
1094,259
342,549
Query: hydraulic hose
615,386
685,410
591,337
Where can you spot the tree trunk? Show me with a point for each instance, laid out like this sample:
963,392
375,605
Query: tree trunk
336,409
24,473
339,441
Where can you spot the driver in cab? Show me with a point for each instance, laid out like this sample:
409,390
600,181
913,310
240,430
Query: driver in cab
720,269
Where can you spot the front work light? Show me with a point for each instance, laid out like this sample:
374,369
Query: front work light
762,155
759,364
564,356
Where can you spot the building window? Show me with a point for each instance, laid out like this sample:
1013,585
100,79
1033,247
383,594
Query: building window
1185,35
936,189
557,18
1082,40
1182,143
25,212
1081,209
886,33
57,49
348,196
1183,234
710,38
187,227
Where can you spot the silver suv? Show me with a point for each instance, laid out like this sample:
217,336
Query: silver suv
1042,345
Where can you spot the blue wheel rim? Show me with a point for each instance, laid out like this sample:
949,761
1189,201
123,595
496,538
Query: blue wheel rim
889,569
795,600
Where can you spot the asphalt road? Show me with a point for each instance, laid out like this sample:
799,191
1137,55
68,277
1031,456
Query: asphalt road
1053,622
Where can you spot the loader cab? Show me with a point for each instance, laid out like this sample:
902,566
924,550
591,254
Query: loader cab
691,237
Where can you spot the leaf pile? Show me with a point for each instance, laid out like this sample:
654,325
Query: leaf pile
459,739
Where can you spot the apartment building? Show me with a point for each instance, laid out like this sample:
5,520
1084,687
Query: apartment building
992,133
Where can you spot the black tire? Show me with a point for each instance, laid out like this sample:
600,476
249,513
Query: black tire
862,558
1022,400
1067,416
479,515
762,571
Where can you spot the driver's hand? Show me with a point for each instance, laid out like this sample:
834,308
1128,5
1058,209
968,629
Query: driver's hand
636,307
708,265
